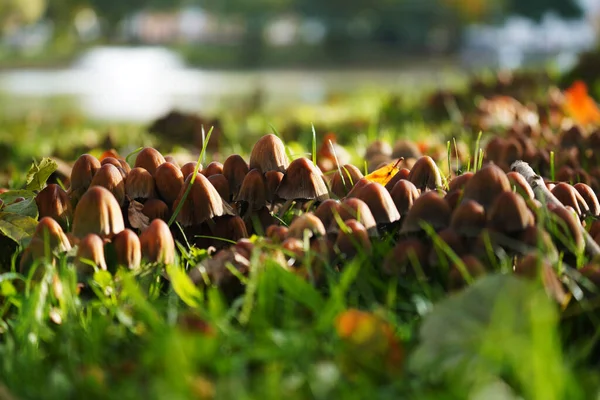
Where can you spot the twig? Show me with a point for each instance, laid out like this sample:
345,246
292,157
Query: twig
545,196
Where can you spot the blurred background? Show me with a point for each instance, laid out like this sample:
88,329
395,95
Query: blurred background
134,60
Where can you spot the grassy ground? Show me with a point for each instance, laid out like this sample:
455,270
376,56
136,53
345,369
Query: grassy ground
138,335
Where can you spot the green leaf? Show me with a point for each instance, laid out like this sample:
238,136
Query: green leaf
17,227
12,195
501,327
184,287
39,174
27,207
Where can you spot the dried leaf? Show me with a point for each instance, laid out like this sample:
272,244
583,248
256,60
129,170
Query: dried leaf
137,219
384,174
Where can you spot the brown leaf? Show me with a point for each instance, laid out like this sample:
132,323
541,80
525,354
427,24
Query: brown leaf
137,219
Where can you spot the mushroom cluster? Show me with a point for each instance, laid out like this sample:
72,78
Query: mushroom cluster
444,228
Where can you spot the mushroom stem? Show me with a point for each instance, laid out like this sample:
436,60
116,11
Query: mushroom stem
286,206
546,197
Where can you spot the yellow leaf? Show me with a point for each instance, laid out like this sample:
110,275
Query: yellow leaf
384,174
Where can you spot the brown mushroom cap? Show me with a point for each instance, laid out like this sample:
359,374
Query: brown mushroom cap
168,181
276,233
520,184
569,196
149,158
378,147
116,163
273,180
449,238
139,184
509,214
486,185
229,227
342,183
127,248
202,203
48,229
302,181
353,239
268,154
425,174
306,222
459,182
83,172
157,243
325,212
213,168
109,177
403,173
355,208
53,201
89,249
406,149
429,208
188,168
468,218
403,194
220,183
380,203
253,191
156,208
589,197
235,169
98,212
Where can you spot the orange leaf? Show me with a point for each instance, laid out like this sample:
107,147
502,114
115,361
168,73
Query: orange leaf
109,153
580,106
366,331
385,173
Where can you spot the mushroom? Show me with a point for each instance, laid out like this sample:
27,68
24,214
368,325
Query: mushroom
140,185
157,243
98,212
168,180
268,154
149,158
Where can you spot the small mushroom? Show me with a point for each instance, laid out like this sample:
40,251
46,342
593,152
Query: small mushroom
268,154
353,240
509,214
485,186
98,212
127,248
213,168
90,253
306,222
429,208
302,181
149,158
235,169
53,201
403,194
342,183
425,174
157,243
140,185
380,203
168,180
220,183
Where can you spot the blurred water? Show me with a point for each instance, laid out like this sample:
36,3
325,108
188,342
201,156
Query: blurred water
139,84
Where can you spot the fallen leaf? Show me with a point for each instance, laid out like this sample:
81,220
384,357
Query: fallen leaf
137,219
385,173
579,105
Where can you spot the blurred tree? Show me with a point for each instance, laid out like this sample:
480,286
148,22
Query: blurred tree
20,12
535,9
